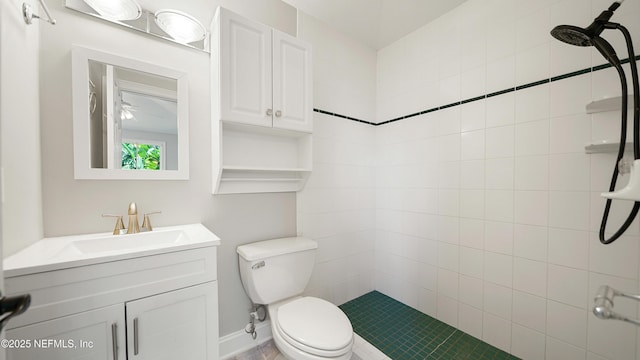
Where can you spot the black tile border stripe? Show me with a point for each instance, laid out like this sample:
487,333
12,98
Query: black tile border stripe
481,97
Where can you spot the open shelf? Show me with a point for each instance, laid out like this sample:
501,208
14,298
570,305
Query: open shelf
606,146
609,104
254,159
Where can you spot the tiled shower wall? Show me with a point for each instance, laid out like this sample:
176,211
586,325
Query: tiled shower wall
488,211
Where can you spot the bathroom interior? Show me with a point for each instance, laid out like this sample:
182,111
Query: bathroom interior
455,166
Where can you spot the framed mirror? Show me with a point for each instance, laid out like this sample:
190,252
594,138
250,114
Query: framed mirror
130,118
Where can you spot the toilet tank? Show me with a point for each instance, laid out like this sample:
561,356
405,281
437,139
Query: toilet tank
273,270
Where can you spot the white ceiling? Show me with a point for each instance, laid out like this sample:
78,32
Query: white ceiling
376,23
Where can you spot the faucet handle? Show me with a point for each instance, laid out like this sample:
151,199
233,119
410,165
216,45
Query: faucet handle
146,223
117,230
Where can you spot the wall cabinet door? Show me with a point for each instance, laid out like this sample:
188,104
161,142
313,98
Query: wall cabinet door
265,75
92,335
180,324
245,70
292,84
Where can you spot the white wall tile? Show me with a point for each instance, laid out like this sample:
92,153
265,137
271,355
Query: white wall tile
567,323
496,331
531,173
500,110
560,350
473,82
471,291
532,138
501,74
532,103
470,320
499,142
498,237
471,261
527,343
498,300
569,172
448,310
569,210
472,233
472,145
569,96
531,207
499,173
533,64
569,248
472,174
569,133
472,115
448,256
499,205
619,258
530,242
568,286
472,204
530,311
530,276
498,268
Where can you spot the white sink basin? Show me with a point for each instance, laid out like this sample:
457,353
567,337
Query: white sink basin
125,242
68,251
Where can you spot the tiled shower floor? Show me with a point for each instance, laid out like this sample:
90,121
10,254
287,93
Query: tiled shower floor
387,329
403,333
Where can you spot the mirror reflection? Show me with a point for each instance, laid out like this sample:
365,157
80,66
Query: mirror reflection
134,120
130,118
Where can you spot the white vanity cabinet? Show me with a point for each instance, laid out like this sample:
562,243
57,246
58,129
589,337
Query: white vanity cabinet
262,108
146,306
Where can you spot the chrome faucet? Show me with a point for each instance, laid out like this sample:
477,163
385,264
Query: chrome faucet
134,226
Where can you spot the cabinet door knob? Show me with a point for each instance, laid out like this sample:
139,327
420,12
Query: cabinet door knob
269,112
278,113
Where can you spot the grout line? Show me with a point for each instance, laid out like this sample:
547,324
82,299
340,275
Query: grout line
443,342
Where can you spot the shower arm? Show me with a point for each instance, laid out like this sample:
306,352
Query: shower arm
636,133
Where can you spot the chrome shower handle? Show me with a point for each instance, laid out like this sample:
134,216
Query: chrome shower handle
603,304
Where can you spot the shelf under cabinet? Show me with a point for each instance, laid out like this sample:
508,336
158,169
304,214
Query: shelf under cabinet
608,104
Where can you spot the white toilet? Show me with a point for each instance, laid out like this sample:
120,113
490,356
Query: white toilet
275,273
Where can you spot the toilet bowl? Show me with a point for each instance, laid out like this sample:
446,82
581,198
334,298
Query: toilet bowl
308,328
275,273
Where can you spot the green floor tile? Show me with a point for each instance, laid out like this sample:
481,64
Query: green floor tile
403,333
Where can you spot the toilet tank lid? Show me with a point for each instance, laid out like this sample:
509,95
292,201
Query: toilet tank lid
269,248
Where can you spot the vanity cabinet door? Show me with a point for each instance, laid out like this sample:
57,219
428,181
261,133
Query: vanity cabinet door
87,335
180,324
245,70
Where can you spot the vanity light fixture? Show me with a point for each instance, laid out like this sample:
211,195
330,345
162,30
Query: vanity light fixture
182,27
120,10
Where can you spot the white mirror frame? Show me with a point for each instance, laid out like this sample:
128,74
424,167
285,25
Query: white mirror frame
80,57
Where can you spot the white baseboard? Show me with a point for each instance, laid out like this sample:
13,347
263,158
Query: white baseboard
239,341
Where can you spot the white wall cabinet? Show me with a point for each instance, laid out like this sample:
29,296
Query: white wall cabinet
152,307
261,105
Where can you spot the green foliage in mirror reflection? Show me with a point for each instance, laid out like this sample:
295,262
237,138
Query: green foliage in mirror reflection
140,156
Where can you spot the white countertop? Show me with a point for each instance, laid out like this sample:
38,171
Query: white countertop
65,252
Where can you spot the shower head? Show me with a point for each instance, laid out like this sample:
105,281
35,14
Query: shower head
572,35
590,36
578,36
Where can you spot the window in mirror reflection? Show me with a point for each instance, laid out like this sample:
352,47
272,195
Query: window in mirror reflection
132,104
142,156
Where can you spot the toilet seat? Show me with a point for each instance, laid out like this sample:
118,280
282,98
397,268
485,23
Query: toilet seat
315,326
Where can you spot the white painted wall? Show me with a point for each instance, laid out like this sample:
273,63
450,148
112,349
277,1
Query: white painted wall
19,128
74,206
337,206
487,213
